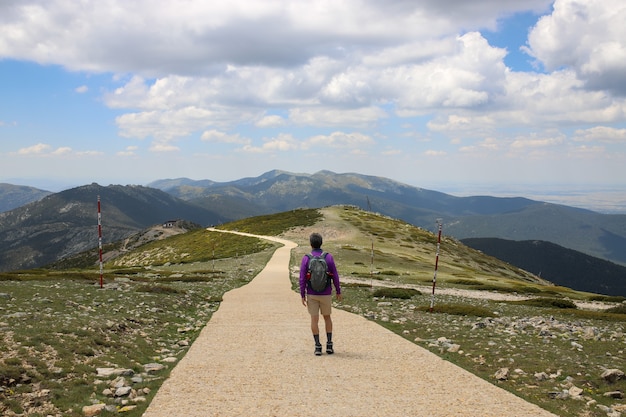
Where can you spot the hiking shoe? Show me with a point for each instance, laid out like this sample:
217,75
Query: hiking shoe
329,348
318,350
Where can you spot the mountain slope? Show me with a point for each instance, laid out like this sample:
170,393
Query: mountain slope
13,196
557,264
65,223
598,235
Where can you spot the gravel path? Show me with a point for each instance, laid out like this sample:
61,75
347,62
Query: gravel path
255,358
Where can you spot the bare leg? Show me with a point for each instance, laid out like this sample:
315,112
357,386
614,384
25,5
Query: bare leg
315,329
329,324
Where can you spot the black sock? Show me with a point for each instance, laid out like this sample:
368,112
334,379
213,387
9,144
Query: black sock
329,337
317,339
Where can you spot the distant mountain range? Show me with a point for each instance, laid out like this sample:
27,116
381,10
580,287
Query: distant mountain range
14,196
65,223
556,264
599,235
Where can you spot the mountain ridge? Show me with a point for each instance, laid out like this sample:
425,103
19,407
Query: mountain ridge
65,223
515,218
68,218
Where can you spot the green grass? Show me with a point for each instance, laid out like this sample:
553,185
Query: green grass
58,326
273,225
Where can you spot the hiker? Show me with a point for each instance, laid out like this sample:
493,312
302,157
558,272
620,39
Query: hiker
318,297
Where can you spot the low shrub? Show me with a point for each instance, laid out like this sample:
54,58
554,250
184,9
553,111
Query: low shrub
402,293
548,302
620,309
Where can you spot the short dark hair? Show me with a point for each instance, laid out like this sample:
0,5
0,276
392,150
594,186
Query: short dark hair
316,240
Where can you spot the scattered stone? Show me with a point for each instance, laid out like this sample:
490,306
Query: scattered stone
170,359
93,410
577,346
118,382
612,375
614,394
385,304
107,372
153,367
454,348
502,374
123,391
574,391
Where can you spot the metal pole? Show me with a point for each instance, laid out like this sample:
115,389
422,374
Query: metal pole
100,240
432,298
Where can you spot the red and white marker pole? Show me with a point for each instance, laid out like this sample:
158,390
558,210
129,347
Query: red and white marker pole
432,298
100,240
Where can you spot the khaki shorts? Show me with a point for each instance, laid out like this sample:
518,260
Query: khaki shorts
319,303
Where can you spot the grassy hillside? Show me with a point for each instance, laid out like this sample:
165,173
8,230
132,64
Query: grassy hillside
57,327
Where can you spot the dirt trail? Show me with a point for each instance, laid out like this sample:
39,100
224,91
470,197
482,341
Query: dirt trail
255,358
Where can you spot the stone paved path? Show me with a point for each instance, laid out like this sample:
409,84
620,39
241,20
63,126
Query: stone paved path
255,358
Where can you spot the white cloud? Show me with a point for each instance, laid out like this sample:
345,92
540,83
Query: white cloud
37,149
587,36
340,140
324,117
601,134
537,141
221,137
65,150
357,76
281,143
163,147
129,151
271,121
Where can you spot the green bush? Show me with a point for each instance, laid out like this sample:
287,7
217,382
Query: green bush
620,309
549,302
607,298
402,293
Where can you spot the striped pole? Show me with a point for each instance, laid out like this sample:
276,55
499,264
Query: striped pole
432,298
372,267
100,240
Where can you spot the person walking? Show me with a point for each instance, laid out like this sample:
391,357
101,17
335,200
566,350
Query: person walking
319,300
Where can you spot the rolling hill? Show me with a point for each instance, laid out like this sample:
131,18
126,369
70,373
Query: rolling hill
65,223
557,264
14,196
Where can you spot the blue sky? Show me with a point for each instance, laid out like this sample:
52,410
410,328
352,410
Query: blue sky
450,95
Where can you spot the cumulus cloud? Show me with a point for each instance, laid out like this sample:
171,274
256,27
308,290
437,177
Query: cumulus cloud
336,74
340,140
37,149
281,143
587,36
221,137
163,147
271,121
601,134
